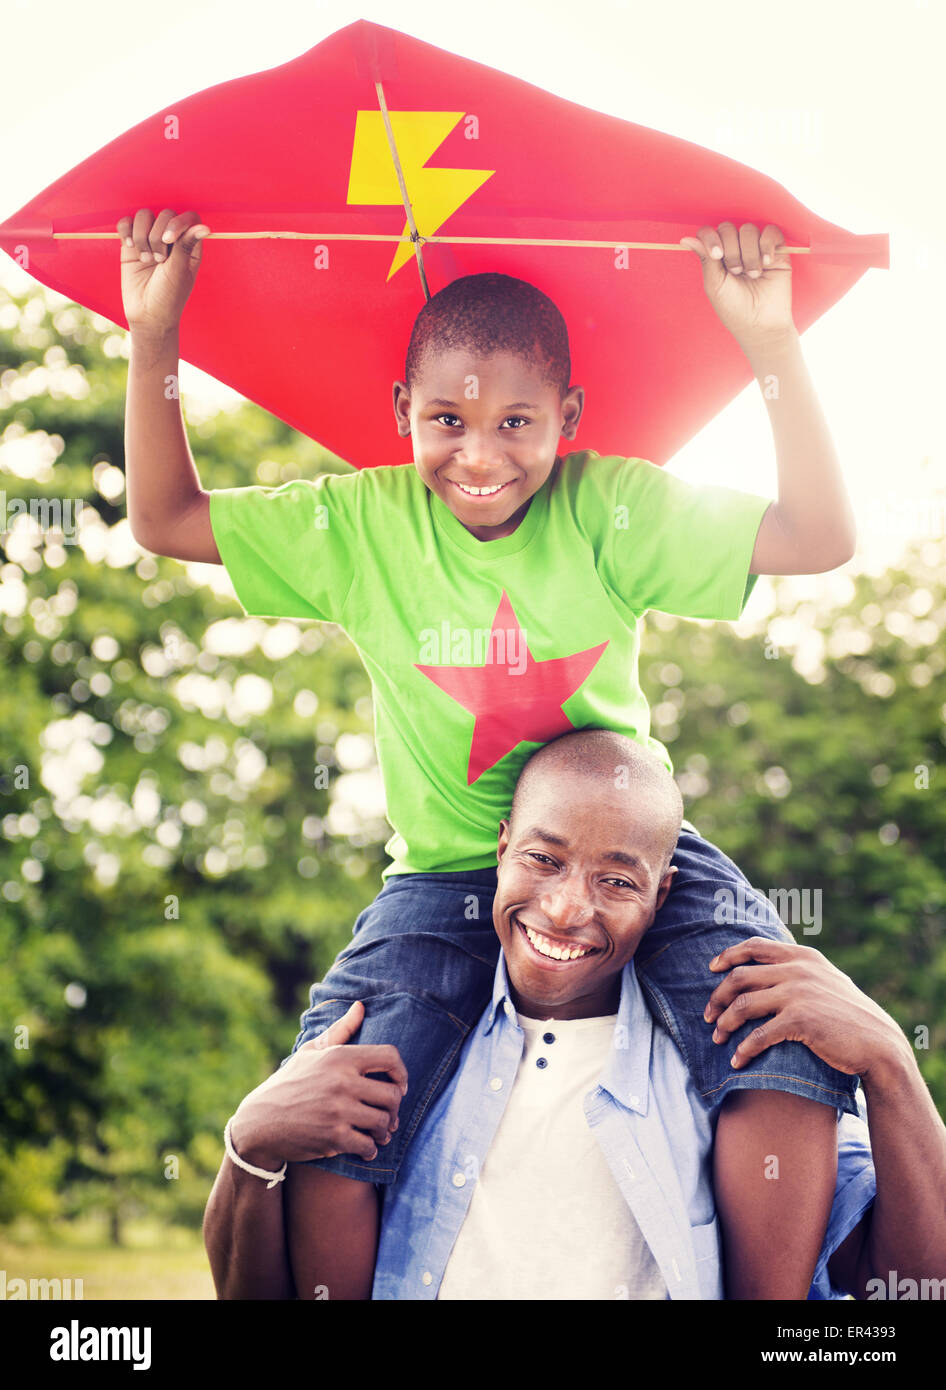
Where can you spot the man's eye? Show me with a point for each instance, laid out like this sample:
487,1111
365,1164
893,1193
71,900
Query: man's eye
542,858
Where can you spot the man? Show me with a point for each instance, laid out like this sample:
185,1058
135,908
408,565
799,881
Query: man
574,1158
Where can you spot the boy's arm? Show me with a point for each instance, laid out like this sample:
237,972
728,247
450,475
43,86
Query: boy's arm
811,527
774,1172
168,511
814,1003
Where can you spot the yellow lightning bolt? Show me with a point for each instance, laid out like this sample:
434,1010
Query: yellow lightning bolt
434,193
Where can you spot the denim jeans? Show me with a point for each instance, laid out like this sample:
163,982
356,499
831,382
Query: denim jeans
423,956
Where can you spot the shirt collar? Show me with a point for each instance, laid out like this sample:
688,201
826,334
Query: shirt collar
626,1073
502,996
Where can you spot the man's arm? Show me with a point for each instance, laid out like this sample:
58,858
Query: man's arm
774,1171
905,1228
323,1102
816,1004
244,1232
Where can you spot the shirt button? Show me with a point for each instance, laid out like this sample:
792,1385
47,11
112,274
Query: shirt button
426,1277
541,1062
459,1180
496,1084
634,1100
548,1037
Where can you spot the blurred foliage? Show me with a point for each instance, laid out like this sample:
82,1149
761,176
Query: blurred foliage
175,870
830,781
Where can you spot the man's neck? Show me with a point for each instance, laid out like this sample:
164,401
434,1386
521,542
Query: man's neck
602,1004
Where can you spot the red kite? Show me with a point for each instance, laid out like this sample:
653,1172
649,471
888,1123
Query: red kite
397,167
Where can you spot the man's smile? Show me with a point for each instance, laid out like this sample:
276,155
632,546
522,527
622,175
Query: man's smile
554,951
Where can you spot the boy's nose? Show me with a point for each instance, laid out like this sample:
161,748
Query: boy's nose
481,455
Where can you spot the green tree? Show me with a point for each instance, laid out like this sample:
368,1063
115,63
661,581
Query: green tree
170,876
813,753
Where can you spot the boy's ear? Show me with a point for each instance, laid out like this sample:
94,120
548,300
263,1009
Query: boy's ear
572,407
402,408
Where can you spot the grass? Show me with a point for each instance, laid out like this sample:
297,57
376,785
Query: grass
154,1262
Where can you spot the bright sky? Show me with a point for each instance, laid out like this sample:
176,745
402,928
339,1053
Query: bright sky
839,100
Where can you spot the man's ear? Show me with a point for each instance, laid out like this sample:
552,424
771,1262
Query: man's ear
572,407
503,842
402,408
664,887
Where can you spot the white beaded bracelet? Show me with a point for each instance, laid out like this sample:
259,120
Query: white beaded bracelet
248,1167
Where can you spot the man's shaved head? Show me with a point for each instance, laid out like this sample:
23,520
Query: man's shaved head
622,763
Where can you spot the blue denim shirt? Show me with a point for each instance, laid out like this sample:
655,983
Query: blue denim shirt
655,1133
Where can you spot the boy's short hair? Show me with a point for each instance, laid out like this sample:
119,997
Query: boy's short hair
488,313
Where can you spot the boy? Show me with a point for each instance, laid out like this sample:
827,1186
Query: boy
494,597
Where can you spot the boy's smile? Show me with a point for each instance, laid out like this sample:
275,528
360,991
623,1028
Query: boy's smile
485,432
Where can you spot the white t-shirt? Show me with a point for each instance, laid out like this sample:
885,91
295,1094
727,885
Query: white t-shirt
547,1220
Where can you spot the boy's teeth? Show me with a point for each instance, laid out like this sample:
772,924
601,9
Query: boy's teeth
545,947
480,491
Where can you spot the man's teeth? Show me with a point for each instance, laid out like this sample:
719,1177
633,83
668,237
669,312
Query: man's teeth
481,491
545,947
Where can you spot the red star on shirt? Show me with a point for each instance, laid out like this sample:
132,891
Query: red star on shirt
513,703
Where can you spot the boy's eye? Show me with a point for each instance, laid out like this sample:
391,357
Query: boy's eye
447,419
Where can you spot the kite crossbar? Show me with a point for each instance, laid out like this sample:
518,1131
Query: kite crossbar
436,240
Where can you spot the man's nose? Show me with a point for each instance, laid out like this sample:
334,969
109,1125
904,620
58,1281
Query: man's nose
567,904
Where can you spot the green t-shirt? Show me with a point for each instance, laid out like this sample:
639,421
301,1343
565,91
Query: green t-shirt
479,652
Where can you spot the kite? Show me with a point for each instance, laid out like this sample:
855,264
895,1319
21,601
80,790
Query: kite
345,187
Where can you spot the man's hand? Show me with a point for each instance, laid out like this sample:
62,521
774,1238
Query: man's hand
324,1101
747,281
812,1001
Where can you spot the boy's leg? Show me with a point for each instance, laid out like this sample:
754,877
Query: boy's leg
422,960
332,1233
710,906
